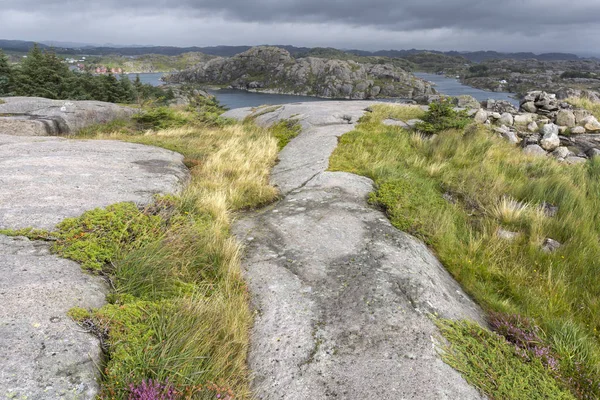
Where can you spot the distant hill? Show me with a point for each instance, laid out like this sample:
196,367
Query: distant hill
230,51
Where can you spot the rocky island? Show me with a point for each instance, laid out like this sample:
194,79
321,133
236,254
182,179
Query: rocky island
274,70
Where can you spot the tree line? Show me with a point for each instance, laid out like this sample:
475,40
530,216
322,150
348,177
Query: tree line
43,74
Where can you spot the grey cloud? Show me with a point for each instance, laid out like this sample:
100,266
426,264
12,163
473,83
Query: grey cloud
522,24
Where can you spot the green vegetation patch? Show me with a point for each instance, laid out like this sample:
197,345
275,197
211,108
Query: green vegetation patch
284,131
398,112
442,116
458,189
492,364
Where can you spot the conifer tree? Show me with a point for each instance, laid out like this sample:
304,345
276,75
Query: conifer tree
6,75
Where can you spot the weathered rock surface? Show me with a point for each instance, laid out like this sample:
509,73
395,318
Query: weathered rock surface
43,180
274,70
36,116
44,354
341,296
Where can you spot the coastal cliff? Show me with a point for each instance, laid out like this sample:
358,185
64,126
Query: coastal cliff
274,70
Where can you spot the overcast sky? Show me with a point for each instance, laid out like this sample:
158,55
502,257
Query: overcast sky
508,25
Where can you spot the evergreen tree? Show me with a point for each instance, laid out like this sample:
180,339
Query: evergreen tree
127,89
6,76
41,74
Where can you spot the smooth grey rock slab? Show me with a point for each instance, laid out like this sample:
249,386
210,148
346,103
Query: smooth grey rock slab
43,353
45,180
342,297
36,116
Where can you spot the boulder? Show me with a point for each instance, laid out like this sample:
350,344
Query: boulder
550,139
466,101
530,139
506,119
36,116
507,134
578,130
593,152
529,107
561,152
533,127
565,118
591,124
575,160
499,106
580,115
534,150
524,119
495,115
481,116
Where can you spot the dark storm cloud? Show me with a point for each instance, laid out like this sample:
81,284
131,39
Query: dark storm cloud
392,14
427,23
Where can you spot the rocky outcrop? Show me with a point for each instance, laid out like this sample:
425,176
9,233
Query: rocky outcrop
545,125
342,297
274,70
36,116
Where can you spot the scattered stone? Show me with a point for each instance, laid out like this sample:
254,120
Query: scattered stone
499,106
565,118
531,139
580,115
593,152
591,124
533,127
466,101
481,116
412,122
529,107
561,152
550,245
507,119
534,150
549,210
507,235
550,140
524,119
575,160
507,134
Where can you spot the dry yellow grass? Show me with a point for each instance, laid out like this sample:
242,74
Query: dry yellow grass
586,104
230,168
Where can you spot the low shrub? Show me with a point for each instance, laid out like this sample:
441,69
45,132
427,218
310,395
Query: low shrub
441,117
160,118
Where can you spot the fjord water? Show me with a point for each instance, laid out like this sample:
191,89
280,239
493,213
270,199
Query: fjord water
231,98
453,87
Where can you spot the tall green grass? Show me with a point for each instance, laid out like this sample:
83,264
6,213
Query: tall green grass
495,186
178,313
